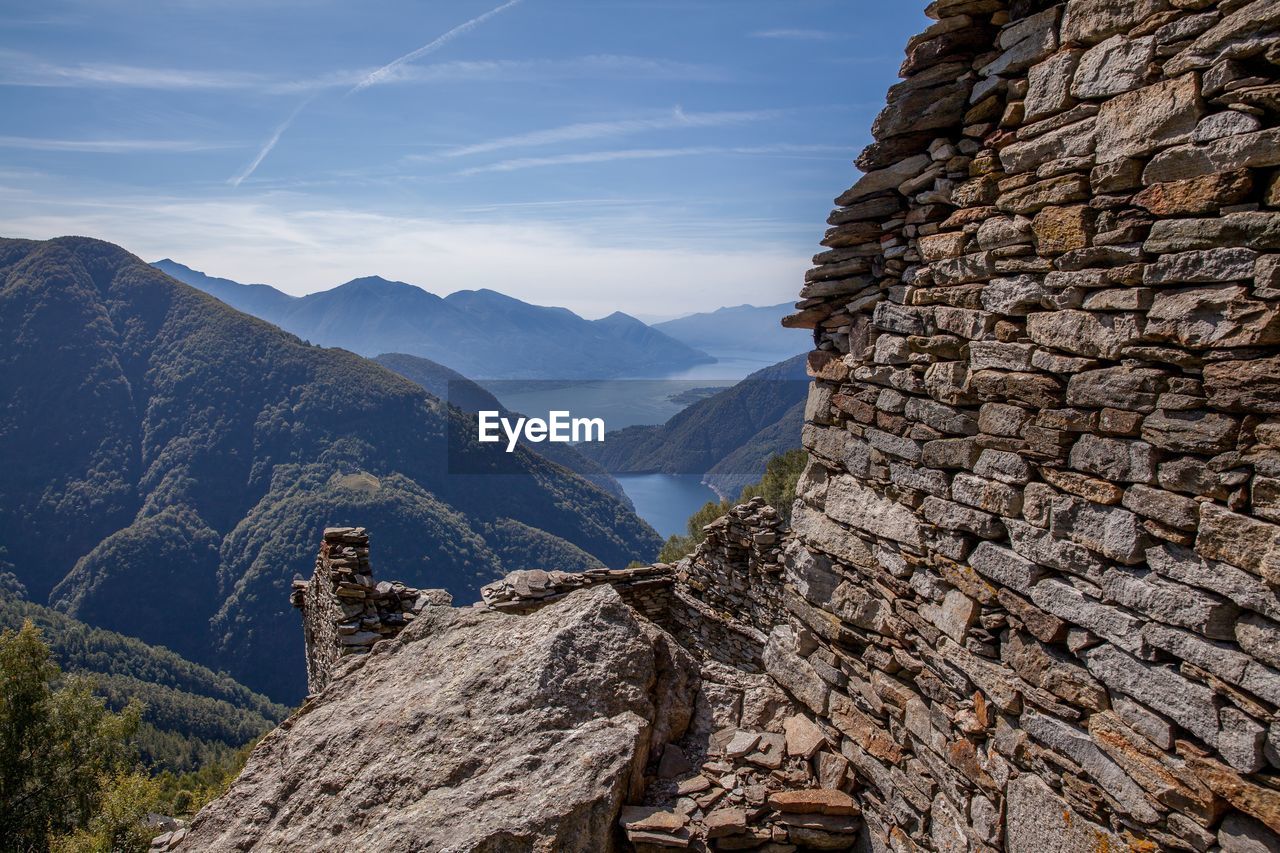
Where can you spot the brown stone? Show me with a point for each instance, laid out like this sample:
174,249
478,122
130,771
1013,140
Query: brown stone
1195,196
825,801
1062,229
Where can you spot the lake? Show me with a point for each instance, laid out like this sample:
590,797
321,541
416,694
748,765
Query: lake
666,500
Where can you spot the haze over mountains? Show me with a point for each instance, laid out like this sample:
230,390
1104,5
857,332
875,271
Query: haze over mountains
171,461
482,334
748,329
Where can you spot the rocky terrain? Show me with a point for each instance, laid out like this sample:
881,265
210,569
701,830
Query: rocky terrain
1029,600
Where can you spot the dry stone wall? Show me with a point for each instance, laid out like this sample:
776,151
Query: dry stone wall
344,612
1039,533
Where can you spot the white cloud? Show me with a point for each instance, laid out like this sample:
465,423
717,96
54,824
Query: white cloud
784,150
108,146
796,35
676,119
263,239
374,77
21,69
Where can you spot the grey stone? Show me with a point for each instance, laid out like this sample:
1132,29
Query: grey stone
1132,389
1260,637
1068,603
950,515
885,179
1240,833
782,660
1074,140
852,503
1003,466
1190,432
1083,332
1091,21
1039,821
990,495
1215,316
997,355
1171,602
1144,721
1234,263
1165,507
1006,568
1239,540
1185,566
942,417
1224,125
1247,30
1079,747
1187,703
1114,459
1257,230
1149,118
1043,548
1111,531
1014,296
580,677
1049,89
1113,67
1241,740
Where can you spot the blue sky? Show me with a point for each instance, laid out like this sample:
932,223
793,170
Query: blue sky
653,156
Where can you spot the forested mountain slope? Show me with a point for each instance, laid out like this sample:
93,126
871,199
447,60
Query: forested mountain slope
171,462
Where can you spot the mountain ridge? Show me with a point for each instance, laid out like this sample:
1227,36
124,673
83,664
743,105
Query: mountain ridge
372,315
176,500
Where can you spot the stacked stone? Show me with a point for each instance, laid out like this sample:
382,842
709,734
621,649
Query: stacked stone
344,611
728,593
646,588
1037,592
774,792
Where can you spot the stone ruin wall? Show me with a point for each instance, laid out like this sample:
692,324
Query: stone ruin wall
344,612
1037,593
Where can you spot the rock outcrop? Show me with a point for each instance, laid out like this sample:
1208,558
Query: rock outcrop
472,730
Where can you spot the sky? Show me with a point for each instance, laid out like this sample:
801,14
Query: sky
652,156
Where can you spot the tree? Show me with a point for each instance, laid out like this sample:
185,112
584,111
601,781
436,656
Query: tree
777,487
58,745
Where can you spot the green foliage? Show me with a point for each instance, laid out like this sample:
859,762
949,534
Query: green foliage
186,793
777,487
191,716
118,824
59,745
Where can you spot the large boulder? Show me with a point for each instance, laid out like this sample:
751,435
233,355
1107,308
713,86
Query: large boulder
471,731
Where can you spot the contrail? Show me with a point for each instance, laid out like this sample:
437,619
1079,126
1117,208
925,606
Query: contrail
431,47
271,143
372,78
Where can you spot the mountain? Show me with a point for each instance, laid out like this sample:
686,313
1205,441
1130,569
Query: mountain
460,392
170,463
728,436
739,329
479,333
192,715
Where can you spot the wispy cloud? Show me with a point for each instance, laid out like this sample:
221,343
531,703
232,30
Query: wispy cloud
21,69
796,35
430,47
676,119
370,79
787,150
18,69
108,146
248,170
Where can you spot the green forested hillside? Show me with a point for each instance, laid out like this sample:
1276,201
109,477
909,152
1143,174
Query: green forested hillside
732,433
170,463
192,715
